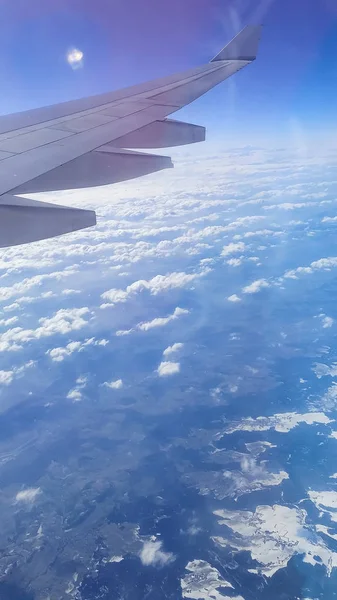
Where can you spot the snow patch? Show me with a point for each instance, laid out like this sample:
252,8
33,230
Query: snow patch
272,535
202,581
282,422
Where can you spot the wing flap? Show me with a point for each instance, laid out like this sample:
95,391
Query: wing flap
162,134
23,220
103,166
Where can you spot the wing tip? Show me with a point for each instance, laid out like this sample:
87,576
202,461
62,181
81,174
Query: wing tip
244,46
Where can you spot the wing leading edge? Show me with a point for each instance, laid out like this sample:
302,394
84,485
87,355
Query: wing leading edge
80,143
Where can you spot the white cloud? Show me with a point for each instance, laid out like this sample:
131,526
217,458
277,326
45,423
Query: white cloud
322,370
172,349
76,393
233,248
162,321
8,322
260,233
152,554
28,496
168,368
157,322
62,322
234,298
26,284
329,219
255,286
115,296
70,292
235,262
327,322
325,264
123,332
329,399
156,285
114,385
6,377
289,205
60,353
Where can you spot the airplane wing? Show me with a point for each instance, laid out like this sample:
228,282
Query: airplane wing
88,142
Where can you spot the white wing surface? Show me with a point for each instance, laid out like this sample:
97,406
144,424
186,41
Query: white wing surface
81,143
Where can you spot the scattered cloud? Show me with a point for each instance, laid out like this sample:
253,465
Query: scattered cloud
325,264
28,496
8,322
173,349
152,554
289,205
60,353
6,377
329,219
255,286
76,393
327,322
22,287
114,385
235,262
322,370
70,292
234,298
156,285
62,322
233,248
168,368
157,322
162,321
259,233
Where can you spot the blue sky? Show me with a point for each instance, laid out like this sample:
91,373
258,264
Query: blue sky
291,87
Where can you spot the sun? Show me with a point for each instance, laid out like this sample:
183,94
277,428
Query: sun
75,58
